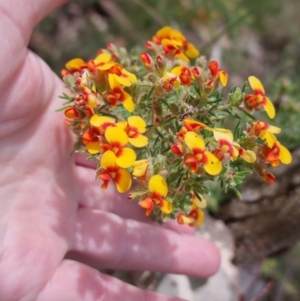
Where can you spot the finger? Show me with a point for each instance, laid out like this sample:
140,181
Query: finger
94,197
78,282
26,14
108,241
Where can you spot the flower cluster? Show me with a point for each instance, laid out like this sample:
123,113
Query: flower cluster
159,121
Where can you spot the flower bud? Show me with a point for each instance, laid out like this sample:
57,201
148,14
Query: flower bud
177,149
150,45
72,113
236,98
147,61
160,64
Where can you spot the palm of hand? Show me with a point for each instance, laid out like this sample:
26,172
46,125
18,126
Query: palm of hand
51,206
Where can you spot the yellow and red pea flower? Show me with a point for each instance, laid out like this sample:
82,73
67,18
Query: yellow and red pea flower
101,123
170,81
101,62
110,170
275,153
147,61
158,191
229,146
117,140
135,128
184,73
173,40
258,100
196,215
192,125
264,131
218,73
200,156
91,141
117,94
195,126
178,149
122,76
72,113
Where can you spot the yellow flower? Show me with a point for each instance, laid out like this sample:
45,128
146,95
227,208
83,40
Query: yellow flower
117,94
258,100
184,73
158,191
216,72
227,145
275,153
101,123
199,156
118,139
174,42
101,62
135,127
122,76
196,215
111,171
264,131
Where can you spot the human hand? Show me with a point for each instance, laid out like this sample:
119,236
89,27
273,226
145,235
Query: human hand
56,224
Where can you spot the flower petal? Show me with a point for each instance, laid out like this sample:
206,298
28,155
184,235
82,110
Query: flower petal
213,67
98,121
269,138
284,154
147,204
126,158
75,64
106,66
158,184
274,129
191,51
102,58
125,81
249,156
200,217
128,102
223,76
223,134
116,134
213,165
123,181
94,147
138,122
129,75
166,207
140,167
256,84
269,107
183,219
122,124
138,141
108,159
192,140
177,70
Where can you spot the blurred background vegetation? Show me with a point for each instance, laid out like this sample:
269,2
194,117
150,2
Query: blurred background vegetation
255,37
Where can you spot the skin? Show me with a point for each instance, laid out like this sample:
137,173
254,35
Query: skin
56,224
